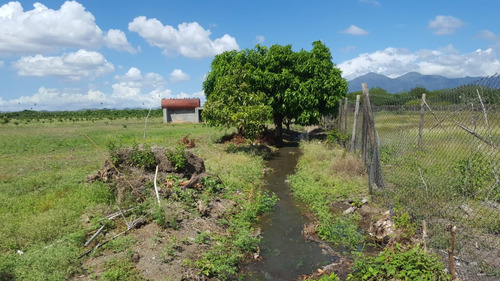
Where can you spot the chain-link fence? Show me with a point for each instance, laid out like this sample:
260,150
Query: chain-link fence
439,157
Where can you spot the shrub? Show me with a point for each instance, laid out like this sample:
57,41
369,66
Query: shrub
399,264
177,157
334,136
143,158
475,173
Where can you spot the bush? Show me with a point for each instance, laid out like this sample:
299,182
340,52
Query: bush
177,157
334,136
399,264
475,174
143,158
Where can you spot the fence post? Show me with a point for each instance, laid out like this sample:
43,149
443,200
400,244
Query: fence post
421,126
374,168
339,117
355,122
344,117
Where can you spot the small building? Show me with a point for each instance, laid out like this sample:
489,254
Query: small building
181,110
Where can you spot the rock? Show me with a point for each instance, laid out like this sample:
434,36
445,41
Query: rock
382,228
203,209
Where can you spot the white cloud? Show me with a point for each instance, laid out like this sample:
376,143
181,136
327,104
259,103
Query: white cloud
178,76
189,39
71,66
43,30
116,39
448,62
260,39
354,30
134,78
443,25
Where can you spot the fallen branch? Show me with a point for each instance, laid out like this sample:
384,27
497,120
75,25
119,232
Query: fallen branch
94,236
449,115
475,134
134,224
114,215
435,116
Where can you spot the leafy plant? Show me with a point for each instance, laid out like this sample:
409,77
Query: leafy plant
399,264
143,158
402,220
334,136
121,269
475,172
177,157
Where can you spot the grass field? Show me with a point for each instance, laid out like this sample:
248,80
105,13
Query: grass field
44,192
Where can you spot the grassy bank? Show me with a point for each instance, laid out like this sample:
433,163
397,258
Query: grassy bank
45,196
325,175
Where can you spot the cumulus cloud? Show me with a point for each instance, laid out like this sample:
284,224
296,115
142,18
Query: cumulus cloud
444,25
189,39
260,39
116,39
178,75
447,61
354,30
71,66
43,30
133,78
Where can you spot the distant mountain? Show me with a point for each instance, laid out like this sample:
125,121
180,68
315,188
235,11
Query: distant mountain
408,81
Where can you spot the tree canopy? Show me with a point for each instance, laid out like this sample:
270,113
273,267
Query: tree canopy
246,88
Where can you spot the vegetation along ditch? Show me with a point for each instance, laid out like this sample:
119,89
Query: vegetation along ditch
73,216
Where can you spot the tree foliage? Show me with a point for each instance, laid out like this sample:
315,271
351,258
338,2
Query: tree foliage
245,88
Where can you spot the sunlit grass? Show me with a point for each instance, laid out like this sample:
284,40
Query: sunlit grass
44,191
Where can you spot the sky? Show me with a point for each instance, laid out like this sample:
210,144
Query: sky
71,55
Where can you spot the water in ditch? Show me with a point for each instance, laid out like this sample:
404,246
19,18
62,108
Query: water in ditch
285,254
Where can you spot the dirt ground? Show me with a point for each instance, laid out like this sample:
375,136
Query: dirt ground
156,252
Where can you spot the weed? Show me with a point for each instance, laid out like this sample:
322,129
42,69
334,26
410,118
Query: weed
143,158
331,277
202,238
334,136
402,220
399,264
120,244
171,249
177,157
121,269
475,173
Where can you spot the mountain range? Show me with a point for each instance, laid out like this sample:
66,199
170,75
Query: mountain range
409,81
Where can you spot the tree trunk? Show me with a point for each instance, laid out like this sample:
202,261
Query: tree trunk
278,131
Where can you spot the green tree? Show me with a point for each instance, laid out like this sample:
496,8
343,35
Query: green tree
245,87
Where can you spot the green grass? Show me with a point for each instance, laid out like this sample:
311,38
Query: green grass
325,174
44,192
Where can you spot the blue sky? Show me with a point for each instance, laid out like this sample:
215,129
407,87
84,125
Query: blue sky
68,55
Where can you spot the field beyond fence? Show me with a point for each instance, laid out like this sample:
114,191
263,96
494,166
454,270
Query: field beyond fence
440,162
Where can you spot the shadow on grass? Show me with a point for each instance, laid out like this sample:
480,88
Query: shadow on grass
261,150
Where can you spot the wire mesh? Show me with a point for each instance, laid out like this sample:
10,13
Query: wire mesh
440,160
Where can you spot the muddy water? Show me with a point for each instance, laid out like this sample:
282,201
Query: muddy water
285,254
